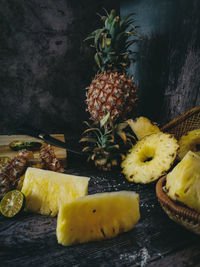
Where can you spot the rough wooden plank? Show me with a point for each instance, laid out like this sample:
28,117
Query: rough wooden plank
6,151
186,257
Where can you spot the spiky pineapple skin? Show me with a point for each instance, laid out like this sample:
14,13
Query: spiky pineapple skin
111,92
97,217
46,190
189,141
161,147
183,182
142,126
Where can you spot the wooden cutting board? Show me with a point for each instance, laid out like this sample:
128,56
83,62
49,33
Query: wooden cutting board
6,151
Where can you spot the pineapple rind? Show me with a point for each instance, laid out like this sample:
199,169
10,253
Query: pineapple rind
97,217
163,150
183,182
142,126
46,190
188,142
112,92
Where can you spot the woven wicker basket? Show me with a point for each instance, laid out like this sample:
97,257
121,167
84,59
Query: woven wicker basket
183,215
188,121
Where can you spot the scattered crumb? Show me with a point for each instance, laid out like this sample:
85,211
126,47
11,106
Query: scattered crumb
140,257
144,257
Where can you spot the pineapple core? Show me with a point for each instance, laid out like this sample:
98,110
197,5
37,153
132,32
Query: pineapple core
46,190
183,182
97,217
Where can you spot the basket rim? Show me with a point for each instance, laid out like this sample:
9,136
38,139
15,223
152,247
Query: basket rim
175,208
180,118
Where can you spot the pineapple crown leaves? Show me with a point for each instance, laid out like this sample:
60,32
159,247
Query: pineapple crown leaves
107,142
113,40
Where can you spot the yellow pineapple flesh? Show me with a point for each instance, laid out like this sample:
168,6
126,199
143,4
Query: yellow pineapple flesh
142,126
150,158
97,217
46,190
189,142
21,179
183,182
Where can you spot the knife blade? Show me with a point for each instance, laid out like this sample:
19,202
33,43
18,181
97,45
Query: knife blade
48,139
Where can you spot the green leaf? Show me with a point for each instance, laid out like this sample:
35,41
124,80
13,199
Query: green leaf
114,27
124,19
97,60
108,46
92,35
104,120
88,139
107,14
110,19
87,124
122,126
98,38
130,43
123,136
91,130
86,149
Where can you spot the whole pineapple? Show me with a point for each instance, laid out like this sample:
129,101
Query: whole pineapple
111,89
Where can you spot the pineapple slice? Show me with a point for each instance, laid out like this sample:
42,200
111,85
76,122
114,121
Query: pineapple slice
97,217
150,158
142,126
183,182
21,179
46,190
189,142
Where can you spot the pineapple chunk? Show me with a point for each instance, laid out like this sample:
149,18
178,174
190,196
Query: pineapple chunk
189,142
97,217
183,182
150,158
142,126
21,179
46,190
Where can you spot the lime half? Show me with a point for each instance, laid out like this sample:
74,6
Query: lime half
17,145
12,203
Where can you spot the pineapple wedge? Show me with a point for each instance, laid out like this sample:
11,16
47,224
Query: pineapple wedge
150,158
189,142
183,182
46,190
97,217
142,126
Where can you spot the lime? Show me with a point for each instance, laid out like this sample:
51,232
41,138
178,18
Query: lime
33,145
12,203
17,145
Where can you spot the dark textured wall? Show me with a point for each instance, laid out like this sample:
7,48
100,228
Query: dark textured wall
44,63
168,63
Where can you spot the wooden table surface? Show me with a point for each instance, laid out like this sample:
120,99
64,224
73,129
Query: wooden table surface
30,240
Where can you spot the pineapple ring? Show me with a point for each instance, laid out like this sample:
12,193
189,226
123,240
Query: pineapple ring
189,142
150,158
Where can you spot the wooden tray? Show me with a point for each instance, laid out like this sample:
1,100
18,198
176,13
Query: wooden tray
5,150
